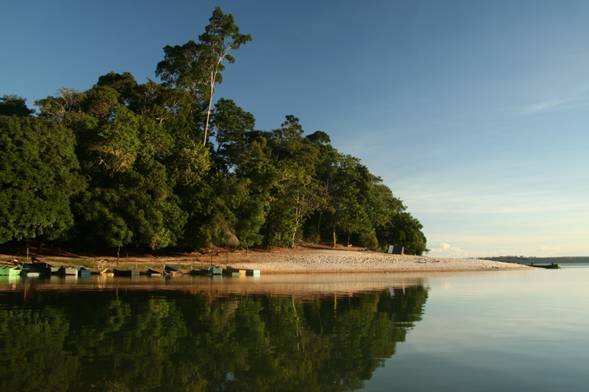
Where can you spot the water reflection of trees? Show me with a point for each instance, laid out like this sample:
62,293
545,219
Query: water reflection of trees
178,342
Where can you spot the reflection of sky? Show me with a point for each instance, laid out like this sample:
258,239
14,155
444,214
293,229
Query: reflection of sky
500,331
475,113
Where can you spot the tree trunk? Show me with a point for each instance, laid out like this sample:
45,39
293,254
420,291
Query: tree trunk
293,238
298,219
206,136
212,86
319,226
334,237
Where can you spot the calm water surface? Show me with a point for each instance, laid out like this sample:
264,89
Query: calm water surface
508,331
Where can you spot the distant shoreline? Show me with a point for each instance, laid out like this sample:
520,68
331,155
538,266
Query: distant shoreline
290,261
540,260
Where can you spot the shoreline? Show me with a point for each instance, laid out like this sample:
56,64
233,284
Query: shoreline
301,260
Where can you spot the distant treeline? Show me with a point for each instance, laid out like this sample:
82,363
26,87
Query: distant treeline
163,165
539,260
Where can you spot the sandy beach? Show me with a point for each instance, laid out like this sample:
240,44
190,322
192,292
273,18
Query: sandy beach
342,261
298,261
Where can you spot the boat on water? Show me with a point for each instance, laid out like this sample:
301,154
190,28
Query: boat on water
231,272
105,272
171,271
66,271
253,272
10,271
151,272
211,271
33,270
125,273
84,272
215,270
9,279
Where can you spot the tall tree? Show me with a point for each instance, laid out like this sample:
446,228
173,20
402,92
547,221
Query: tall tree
243,157
197,67
296,193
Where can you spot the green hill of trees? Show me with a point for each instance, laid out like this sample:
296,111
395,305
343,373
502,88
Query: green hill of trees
162,164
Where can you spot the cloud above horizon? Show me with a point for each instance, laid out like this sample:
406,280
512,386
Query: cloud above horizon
576,97
444,249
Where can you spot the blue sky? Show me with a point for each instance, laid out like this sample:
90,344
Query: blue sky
474,113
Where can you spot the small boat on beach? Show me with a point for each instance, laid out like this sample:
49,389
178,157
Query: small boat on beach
211,271
105,272
215,270
66,271
231,272
84,272
125,273
151,272
253,272
171,271
10,270
34,270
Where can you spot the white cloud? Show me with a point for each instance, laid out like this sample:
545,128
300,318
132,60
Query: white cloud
543,106
554,103
444,249
565,244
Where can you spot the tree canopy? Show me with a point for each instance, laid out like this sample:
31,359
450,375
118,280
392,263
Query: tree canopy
123,164
39,174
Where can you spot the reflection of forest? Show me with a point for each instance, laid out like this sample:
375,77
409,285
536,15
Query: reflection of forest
177,342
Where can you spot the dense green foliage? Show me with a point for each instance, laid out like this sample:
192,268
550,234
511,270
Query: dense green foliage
11,105
170,341
38,176
151,182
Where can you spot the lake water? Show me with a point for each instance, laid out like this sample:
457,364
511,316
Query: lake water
487,331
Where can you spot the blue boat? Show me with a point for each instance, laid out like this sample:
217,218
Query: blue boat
84,272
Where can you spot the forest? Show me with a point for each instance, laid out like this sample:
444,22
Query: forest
166,165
